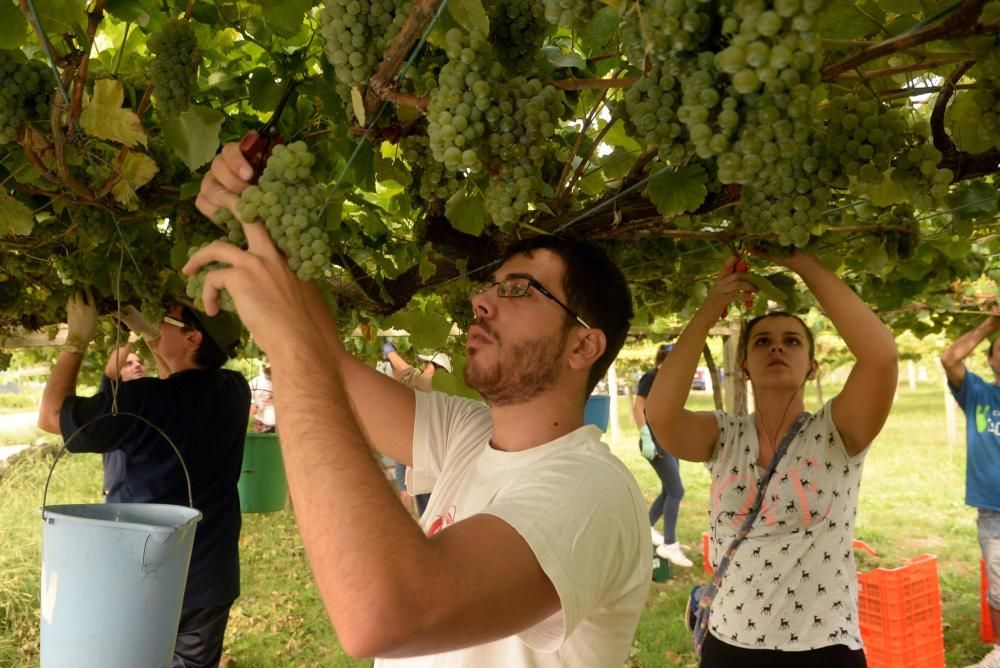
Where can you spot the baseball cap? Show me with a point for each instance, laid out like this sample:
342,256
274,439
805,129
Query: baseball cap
224,328
437,359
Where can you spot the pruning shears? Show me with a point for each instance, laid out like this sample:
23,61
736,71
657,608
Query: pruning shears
742,267
257,145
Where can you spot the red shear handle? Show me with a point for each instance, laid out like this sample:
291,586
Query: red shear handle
256,147
742,267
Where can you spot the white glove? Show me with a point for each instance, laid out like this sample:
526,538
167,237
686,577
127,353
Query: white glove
81,319
132,318
646,441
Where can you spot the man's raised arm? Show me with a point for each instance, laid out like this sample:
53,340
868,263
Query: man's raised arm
953,358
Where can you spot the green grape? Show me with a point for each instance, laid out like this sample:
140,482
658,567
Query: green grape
356,34
572,14
517,30
289,202
196,285
174,71
25,93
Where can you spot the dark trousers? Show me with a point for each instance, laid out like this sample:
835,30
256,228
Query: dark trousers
199,637
717,654
668,503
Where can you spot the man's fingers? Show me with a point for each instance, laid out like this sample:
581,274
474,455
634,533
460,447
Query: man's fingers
236,163
258,240
215,281
213,195
217,251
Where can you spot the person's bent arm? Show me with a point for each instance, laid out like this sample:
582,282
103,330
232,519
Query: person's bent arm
60,385
686,434
475,582
953,358
862,407
638,406
375,396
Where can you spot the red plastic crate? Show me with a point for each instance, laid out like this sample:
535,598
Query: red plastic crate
985,622
899,611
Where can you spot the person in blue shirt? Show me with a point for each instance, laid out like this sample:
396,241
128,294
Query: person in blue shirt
203,409
980,400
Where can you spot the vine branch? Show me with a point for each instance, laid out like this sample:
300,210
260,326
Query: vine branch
960,23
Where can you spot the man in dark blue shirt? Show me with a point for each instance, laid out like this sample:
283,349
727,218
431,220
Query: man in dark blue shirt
203,409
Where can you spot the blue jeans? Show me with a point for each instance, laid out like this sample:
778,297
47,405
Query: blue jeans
988,526
668,503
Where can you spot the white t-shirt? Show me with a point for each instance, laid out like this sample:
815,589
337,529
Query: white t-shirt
577,506
791,584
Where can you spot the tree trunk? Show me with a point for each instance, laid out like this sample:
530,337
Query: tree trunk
713,372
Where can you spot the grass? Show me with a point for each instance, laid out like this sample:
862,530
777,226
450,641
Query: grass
912,502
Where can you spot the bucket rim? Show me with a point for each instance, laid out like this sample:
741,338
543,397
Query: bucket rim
53,511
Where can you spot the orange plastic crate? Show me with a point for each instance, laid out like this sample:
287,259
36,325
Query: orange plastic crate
985,622
706,561
899,611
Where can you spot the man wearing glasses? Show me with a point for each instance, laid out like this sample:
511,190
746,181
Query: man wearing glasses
203,409
534,549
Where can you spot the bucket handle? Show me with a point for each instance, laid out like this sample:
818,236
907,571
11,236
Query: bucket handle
187,476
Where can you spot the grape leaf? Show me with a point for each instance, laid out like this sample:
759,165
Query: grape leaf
60,16
466,213
265,92
13,27
900,6
975,199
767,288
453,383
470,15
15,217
887,193
557,58
427,330
596,34
137,170
136,11
194,135
104,117
285,16
678,191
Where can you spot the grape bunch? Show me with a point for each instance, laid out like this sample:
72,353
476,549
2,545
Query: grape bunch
289,202
648,108
196,284
659,30
916,170
431,181
94,227
573,14
517,31
356,34
987,95
174,70
25,93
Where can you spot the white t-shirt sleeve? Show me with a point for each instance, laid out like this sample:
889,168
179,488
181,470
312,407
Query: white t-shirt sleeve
442,422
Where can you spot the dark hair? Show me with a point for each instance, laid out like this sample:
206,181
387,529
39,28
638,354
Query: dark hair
662,352
208,354
595,289
745,334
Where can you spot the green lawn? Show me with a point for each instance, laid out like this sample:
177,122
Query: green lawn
912,502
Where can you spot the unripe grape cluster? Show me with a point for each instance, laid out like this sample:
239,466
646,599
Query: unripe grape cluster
289,202
517,31
196,284
573,14
431,181
174,70
93,227
356,34
25,93
987,96
481,120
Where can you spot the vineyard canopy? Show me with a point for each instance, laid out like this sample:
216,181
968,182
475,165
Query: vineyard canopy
673,132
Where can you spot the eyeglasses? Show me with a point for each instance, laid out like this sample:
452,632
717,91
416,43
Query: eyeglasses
517,286
170,320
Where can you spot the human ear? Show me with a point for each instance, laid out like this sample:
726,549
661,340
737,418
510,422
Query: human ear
587,347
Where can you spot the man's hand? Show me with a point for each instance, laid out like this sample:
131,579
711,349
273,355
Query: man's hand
81,319
271,300
132,318
229,176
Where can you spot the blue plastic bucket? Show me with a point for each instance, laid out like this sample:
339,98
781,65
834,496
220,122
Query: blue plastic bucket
596,411
113,579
